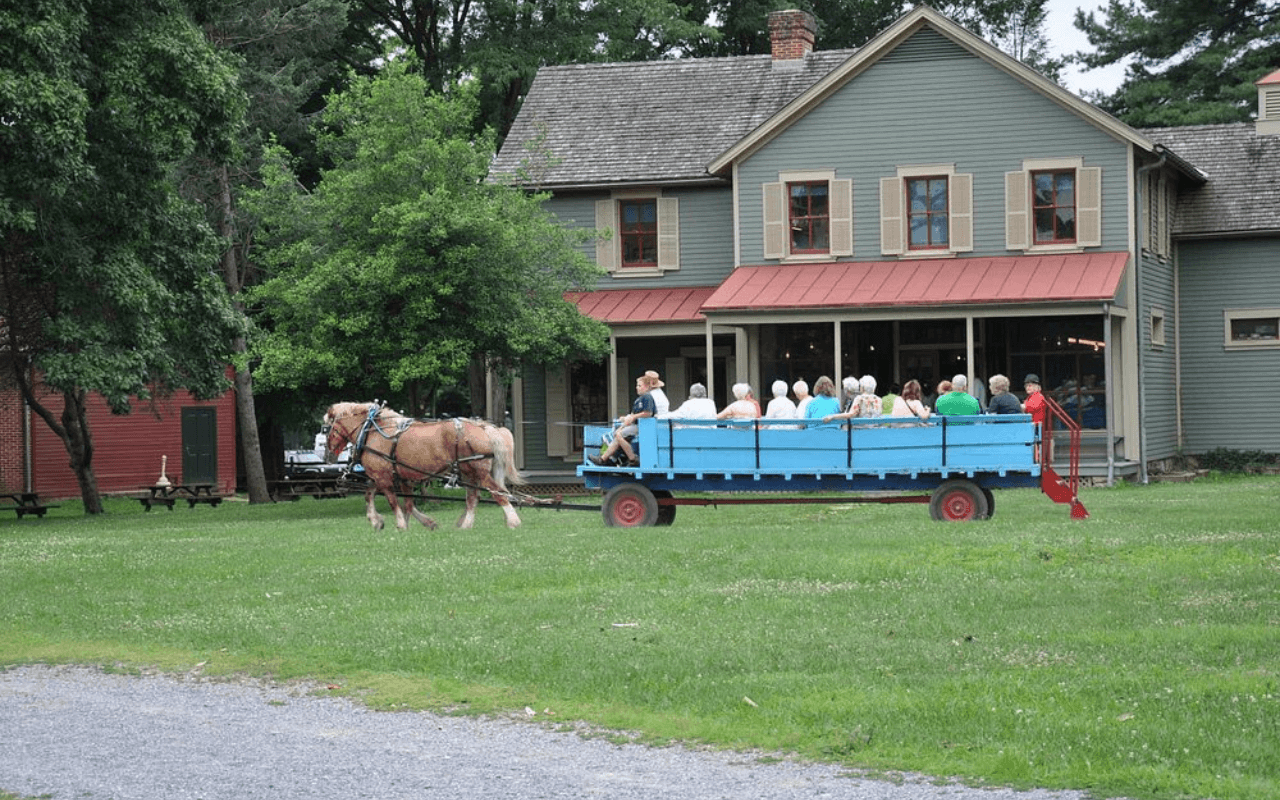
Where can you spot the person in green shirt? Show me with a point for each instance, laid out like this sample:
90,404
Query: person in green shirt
958,402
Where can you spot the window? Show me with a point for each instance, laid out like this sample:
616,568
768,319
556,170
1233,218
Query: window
810,217
1252,327
1157,327
807,215
644,234
1053,204
638,231
926,211
928,222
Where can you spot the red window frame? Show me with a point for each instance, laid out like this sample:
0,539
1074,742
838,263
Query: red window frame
809,219
1053,207
638,232
931,216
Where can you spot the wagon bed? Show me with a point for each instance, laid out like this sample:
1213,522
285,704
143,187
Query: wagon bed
952,463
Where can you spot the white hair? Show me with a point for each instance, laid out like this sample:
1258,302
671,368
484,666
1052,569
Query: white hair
779,388
959,383
850,384
697,390
800,387
740,390
998,383
867,384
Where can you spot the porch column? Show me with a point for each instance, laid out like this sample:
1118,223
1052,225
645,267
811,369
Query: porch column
968,350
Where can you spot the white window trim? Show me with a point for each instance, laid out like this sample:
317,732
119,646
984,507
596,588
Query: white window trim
609,251
833,187
1157,327
1230,315
956,181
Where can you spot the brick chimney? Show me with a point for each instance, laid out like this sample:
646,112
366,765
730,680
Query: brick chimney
791,35
1268,123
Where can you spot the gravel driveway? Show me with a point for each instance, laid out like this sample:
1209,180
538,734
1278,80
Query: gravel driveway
75,733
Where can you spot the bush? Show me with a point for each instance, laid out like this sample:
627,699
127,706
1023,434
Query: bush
1226,460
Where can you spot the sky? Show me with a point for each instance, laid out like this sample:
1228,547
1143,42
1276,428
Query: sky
1063,38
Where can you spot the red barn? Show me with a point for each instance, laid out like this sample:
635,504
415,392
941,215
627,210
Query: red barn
199,438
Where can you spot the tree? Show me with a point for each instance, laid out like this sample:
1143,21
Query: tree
285,53
404,264
1190,62
107,280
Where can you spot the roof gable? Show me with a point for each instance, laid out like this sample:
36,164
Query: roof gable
886,43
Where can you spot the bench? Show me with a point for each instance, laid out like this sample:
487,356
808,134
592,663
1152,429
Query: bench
168,495
24,503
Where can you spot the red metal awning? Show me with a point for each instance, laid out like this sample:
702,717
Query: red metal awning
1072,277
622,306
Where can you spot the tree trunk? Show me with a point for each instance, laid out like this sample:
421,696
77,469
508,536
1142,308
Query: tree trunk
74,432
476,384
246,412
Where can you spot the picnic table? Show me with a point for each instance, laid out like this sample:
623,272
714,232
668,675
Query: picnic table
24,503
193,493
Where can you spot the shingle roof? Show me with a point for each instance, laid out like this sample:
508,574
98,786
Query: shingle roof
655,121
1242,193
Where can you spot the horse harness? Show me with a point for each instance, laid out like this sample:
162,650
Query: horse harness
451,477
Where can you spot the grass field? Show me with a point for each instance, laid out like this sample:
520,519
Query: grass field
1131,654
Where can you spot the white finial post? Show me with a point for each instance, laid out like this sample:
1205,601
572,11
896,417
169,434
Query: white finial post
163,480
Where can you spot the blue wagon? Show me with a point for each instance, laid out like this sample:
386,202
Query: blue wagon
951,463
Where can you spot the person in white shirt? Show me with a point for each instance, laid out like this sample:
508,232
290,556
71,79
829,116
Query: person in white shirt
802,397
698,406
780,407
660,401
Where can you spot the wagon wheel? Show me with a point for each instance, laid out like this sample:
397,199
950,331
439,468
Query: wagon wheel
666,514
991,502
630,505
958,501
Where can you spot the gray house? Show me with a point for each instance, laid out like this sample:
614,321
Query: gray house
919,207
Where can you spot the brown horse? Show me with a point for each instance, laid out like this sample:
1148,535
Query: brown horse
398,452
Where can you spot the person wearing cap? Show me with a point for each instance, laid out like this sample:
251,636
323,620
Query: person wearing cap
641,408
1034,404
660,402
958,402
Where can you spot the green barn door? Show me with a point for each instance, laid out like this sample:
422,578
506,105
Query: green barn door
199,445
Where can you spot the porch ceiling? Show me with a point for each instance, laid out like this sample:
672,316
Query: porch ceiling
926,282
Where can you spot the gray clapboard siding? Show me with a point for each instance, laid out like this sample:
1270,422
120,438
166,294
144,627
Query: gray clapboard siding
1228,396
1159,375
706,235
953,108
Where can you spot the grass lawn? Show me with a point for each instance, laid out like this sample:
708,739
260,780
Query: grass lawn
1131,654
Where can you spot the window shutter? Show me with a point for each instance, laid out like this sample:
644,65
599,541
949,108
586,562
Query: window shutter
557,392
960,203
1089,207
607,249
841,218
1017,220
775,221
668,233
892,234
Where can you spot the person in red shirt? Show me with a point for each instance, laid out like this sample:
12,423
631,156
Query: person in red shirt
1035,405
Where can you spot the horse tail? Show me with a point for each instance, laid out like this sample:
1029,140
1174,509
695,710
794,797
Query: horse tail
504,460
